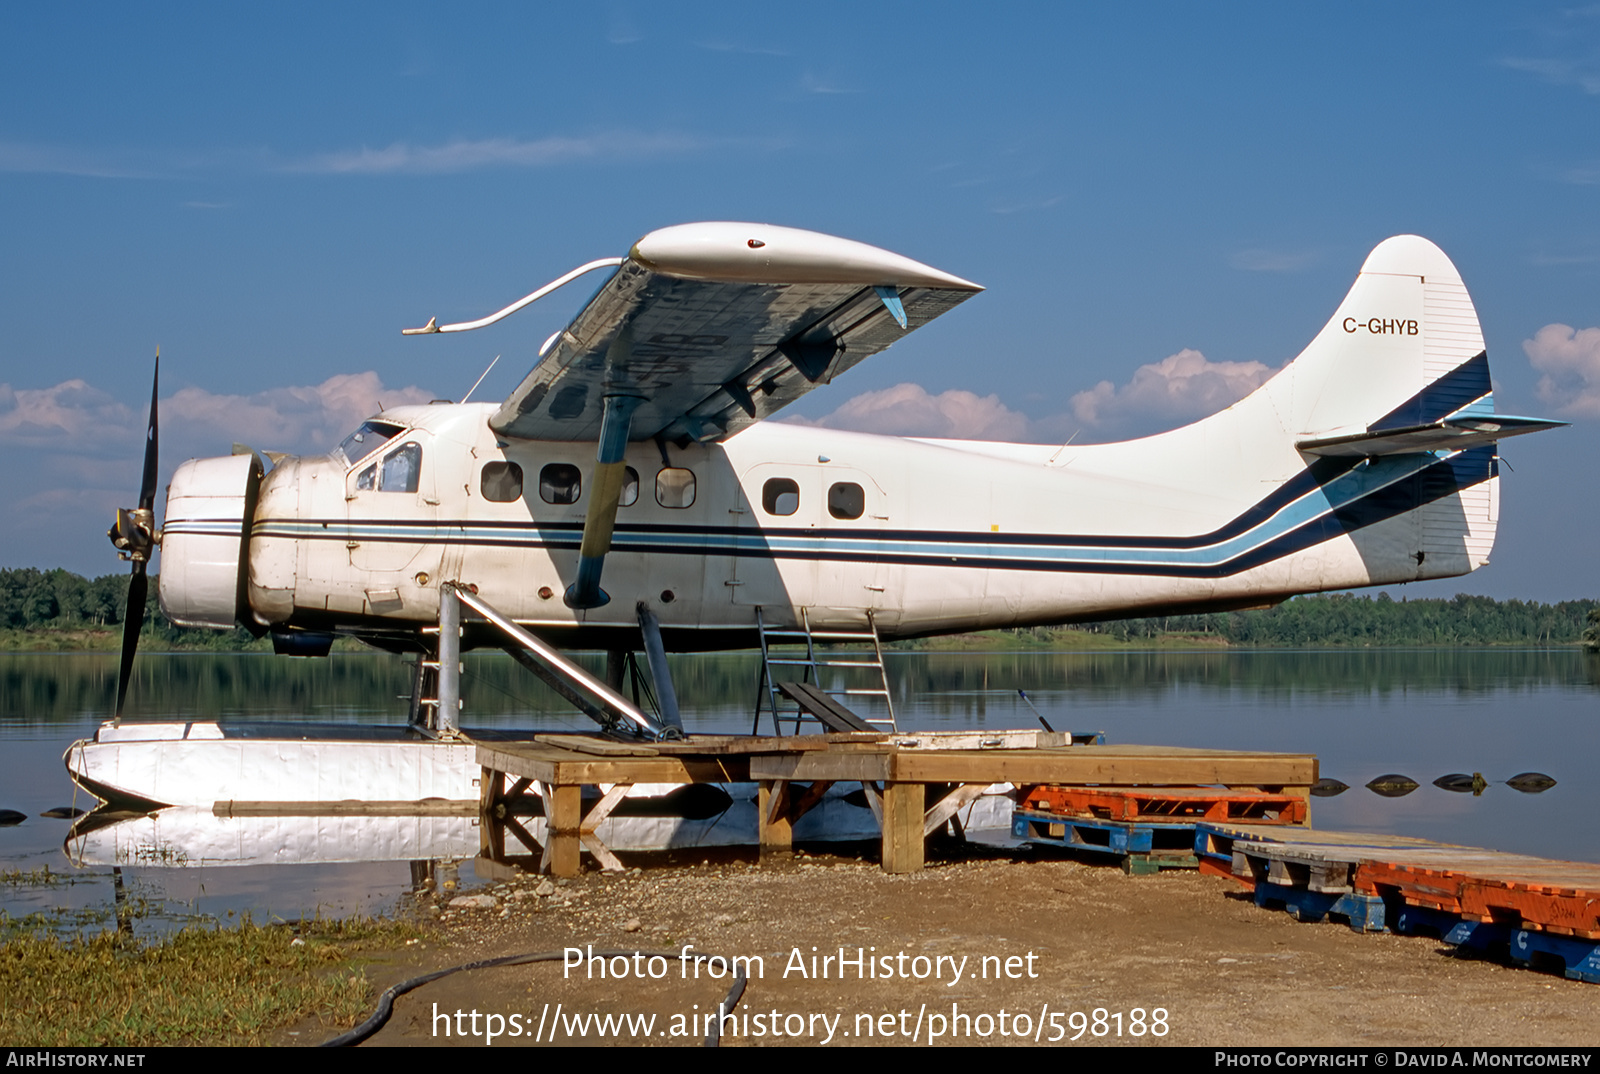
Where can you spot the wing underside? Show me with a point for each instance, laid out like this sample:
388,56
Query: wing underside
706,345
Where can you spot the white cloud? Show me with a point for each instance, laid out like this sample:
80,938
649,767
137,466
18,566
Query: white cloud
397,158
1257,259
908,410
1569,361
1560,72
1182,386
62,160
466,155
1026,205
76,419
825,84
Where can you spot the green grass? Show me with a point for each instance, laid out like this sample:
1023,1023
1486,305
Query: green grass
207,986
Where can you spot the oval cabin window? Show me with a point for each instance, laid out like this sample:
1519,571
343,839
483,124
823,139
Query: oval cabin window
502,482
560,482
780,496
675,487
846,499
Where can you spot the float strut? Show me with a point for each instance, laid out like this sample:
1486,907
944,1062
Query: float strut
449,662
656,654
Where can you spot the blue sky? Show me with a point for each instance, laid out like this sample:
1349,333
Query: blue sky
271,193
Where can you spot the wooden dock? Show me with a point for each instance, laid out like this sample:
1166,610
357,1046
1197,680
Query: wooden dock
915,782
1534,908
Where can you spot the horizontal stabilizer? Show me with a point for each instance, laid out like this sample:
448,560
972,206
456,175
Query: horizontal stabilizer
1447,434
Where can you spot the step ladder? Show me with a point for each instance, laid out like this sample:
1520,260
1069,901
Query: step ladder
789,648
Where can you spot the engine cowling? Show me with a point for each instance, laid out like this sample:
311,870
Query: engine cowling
205,541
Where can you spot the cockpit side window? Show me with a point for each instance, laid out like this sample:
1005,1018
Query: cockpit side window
369,438
398,472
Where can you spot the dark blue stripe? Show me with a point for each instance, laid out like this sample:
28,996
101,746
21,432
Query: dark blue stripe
1316,475
1463,384
1443,478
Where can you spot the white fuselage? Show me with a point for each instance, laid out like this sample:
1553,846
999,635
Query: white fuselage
936,536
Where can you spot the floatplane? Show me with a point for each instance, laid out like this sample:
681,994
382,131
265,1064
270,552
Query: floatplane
630,496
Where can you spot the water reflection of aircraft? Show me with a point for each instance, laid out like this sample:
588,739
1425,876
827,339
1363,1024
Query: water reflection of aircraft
635,453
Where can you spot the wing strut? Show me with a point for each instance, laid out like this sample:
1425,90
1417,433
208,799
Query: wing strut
604,494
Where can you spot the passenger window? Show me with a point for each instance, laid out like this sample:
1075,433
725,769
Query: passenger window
780,496
400,469
502,482
630,487
846,499
675,487
560,482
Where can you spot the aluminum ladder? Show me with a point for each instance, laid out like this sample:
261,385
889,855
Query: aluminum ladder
857,663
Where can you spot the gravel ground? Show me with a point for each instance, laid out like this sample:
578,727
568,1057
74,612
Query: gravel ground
982,947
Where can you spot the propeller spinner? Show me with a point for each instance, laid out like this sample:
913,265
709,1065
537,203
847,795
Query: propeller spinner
134,534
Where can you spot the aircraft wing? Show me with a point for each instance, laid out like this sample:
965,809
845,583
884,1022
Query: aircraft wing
709,327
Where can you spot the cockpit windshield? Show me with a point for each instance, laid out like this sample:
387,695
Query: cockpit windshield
369,438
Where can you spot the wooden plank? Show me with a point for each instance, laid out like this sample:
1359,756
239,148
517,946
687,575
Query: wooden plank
599,747
824,707
1024,739
551,765
1104,765
719,745
603,808
809,800
856,765
947,806
427,807
1124,765
602,853
774,831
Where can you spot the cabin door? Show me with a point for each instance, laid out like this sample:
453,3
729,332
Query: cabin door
809,537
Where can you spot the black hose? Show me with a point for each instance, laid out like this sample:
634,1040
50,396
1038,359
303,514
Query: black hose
386,1001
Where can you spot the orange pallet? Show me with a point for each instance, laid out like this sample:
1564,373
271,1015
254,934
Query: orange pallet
1564,912
1167,803
1558,897
1435,888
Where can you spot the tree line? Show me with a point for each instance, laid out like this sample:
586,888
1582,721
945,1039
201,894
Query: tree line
34,600
1348,619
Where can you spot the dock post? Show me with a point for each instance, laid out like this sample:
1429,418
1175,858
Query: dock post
774,827
904,806
563,817
449,661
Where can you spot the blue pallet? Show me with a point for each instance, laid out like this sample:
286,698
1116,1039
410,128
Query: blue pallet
1365,913
1117,837
1580,959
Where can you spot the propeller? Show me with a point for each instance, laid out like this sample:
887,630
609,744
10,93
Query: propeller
134,535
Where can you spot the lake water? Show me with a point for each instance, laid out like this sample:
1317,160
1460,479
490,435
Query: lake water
1421,713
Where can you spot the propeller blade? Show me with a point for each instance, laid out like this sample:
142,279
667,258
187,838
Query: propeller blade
147,490
134,534
132,621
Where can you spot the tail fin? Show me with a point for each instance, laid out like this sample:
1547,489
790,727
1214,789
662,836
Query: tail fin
1403,349
1399,377
1400,368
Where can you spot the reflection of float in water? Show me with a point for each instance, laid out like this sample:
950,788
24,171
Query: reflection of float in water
721,816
